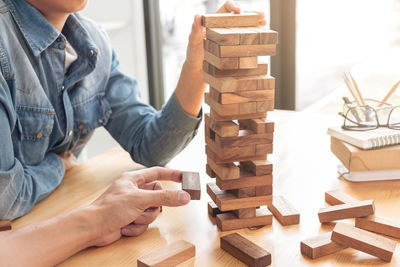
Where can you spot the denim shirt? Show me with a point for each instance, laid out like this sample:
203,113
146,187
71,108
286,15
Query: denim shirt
46,110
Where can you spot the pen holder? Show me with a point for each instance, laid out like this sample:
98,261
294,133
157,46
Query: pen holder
382,112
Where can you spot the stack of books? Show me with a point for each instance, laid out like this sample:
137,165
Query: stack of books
367,155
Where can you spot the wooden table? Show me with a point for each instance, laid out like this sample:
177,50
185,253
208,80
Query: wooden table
304,169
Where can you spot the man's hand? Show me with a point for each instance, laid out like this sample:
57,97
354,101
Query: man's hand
69,160
132,202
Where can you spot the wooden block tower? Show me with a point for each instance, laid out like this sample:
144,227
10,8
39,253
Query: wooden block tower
238,136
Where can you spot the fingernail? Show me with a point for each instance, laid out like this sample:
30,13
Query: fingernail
183,197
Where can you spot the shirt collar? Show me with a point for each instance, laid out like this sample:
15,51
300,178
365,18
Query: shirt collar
37,31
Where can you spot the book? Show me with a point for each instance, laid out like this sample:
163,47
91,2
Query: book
358,160
376,138
368,176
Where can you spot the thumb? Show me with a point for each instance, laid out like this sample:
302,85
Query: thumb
156,198
197,34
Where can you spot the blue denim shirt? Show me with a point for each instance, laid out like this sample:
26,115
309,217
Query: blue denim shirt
46,110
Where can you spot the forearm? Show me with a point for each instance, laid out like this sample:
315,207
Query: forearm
49,242
190,89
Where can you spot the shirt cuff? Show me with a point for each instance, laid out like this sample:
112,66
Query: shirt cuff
177,118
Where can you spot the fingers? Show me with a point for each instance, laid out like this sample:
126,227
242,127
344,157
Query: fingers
228,7
134,229
197,34
261,21
155,185
156,198
149,175
148,216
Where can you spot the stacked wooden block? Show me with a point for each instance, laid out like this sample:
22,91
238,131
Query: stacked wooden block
238,136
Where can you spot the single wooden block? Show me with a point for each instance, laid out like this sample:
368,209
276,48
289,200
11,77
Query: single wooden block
229,201
264,106
239,50
245,213
230,154
223,36
223,110
225,170
364,241
191,184
319,246
264,149
222,63
229,221
242,97
210,172
262,69
245,192
337,197
170,255
248,108
283,211
257,125
267,36
246,180
238,84
248,36
242,35
213,209
219,117
380,225
238,157
257,167
264,190
245,250
222,128
5,225
248,62
245,138
346,211
226,20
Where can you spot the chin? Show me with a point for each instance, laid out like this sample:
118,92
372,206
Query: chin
76,5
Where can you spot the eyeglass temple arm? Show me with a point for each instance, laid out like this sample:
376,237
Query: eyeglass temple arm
355,114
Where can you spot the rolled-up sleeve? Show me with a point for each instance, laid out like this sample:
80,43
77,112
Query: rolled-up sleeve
151,137
21,186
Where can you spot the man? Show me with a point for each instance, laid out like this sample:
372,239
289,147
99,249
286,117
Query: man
60,80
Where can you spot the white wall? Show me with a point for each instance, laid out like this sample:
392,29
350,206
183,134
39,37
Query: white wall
123,21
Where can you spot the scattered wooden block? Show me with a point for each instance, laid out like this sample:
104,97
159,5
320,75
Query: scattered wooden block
238,84
257,167
225,170
261,69
337,197
245,213
226,20
257,125
170,255
191,184
246,180
229,201
239,50
365,241
245,250
5,225
213,209
319,246
283,211
229,221
222,128
380,225
345,211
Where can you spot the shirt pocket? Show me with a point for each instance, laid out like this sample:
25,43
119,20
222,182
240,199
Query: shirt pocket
34,126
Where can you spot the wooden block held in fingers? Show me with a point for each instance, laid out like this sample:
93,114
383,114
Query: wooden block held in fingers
245,250
5,225
283,211
257,167
364,241
229,201
380,225
346,211
225,170
337,197
226,20
213,209
262,69
319,246
191,184
229,221
245,213
257,125
222,128
170,255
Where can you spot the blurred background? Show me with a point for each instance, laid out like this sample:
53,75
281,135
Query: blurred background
318,41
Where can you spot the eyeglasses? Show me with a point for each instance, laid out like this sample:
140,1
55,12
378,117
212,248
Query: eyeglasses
365,118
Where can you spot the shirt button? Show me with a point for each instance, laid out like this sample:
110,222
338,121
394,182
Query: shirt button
91,52
70,133
80,127
62,87
39,135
